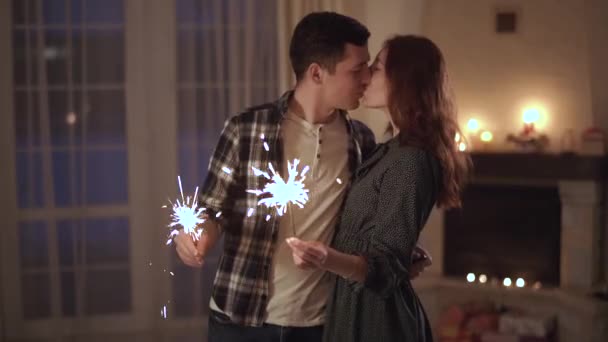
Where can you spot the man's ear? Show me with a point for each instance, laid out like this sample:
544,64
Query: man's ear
315,73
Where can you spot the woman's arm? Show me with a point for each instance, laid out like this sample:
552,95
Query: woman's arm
385,256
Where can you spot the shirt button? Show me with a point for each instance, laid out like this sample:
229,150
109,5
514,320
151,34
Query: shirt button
320,141
318,156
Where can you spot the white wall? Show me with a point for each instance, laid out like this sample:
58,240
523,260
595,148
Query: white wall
495,76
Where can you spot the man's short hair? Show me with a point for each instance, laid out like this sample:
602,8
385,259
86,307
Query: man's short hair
320,37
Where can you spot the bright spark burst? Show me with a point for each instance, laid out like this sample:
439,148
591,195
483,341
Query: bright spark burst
186,214
281,192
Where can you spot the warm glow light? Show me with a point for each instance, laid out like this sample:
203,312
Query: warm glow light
70,119
473,125
487,136
507,282
462,147
457,137
537,285
471,277
520,282
531,115
483,278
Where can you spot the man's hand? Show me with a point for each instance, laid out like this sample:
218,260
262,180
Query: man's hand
421,259
186,249
193,253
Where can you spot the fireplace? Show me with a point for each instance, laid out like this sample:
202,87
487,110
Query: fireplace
534,216
505,231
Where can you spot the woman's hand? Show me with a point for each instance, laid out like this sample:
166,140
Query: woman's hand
308,254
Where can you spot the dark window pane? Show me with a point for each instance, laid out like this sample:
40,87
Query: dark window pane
24,57
105,117
77,56
53,11
108,292
105,56
65,118
68,294
106,177
69,237
107,240
29,180
36,296
67,177
33,244
104,11
56,55
27,119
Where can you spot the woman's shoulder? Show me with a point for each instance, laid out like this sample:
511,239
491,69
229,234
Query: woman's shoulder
411,159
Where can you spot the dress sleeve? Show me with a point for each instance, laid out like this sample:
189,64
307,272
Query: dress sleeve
404,196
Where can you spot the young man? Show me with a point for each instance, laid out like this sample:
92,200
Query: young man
259,293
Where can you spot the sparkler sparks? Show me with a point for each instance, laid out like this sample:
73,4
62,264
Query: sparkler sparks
283,192
186,214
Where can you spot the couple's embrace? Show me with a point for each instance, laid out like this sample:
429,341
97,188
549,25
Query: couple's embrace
340,268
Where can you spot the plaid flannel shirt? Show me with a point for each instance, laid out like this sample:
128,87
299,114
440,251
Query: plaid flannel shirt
241,284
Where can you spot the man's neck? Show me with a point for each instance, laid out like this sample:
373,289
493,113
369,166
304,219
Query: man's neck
307,105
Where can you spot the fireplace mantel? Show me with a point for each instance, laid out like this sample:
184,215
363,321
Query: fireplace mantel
542,166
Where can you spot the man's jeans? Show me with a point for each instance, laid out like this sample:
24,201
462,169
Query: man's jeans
222,330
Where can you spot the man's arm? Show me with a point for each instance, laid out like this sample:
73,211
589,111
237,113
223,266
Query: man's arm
214,196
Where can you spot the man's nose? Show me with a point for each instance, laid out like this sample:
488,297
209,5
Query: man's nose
366,77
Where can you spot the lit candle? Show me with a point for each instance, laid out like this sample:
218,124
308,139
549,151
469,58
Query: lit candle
507,282
530,117
471,277
473,126
483,278
486,139
520,282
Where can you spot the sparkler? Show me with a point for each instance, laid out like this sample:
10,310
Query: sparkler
281,193
186,214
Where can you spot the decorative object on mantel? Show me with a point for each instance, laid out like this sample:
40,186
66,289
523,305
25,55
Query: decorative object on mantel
529,140
592,142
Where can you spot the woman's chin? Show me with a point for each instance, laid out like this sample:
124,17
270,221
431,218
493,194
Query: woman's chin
364,102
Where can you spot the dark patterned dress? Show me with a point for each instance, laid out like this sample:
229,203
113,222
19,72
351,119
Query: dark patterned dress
392,195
